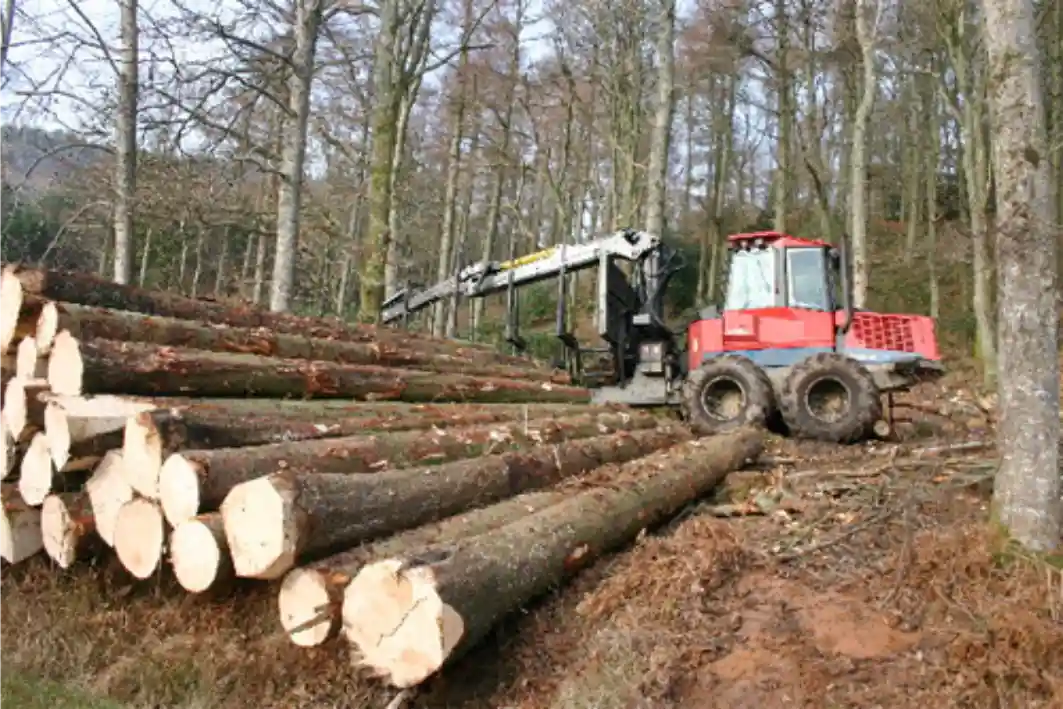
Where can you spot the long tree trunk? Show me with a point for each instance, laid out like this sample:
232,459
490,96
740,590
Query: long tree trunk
197,481
126,144
273,522
86,323
311,597
1028,484
661,138
866,31
293,154
459,594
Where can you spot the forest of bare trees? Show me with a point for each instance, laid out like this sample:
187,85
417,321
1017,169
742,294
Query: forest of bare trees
313,155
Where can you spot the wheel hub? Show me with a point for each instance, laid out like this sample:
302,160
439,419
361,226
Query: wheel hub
828,399
723,399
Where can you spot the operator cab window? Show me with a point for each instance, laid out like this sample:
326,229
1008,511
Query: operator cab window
806,275
751,281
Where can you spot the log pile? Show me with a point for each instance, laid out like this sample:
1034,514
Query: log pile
404,487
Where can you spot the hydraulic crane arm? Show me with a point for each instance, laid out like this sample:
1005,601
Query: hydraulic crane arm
483,279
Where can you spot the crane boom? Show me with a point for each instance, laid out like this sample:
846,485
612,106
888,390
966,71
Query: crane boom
486,278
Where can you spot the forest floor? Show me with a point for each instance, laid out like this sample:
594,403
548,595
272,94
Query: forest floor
857,576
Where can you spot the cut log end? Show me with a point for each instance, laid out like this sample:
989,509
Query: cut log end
57,434
7,460
108,491
15,410
10,305
262,527
20,529
400,624
309,605
142,451
66,369
28,363
198,554
36,473
139,533
47,328
66,526
179,489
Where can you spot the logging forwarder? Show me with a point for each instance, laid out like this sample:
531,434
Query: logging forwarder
784,345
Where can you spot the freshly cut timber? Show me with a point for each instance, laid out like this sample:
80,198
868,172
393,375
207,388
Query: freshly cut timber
24,407
87,323
28,363
85,289
199,553
47,327
10,305
20,527
408,616
86,427
108,491
274,522
139,534
152,435
68,528
37,474
311,597
197,481
106,366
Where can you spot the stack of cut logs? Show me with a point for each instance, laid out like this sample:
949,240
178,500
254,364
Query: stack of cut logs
404,488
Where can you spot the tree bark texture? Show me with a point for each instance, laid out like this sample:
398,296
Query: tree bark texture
453,597
274,522
109,366
198,481
87,323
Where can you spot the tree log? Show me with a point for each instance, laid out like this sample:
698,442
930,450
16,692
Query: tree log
276,521
408,616
311,597
86,323
10,304
139,535
197,481
20,527
85,289
47,327
68,528
28,363
200,554
37,473
24,407
86,428
7,450
105,366
151,436
108,491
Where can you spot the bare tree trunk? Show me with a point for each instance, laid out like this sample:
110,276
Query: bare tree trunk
1028,484
126,144
293,154
657,173
784,169
866,30
222,265
8,21
145,258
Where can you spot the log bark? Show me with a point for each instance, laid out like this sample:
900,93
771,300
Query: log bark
86,429
106,366
426,609
139,535
276,521
108,491
69,528
311,597
152,435
85,289
20,527
87,323
197,481
199,553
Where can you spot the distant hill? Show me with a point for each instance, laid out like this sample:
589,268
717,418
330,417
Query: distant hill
46,155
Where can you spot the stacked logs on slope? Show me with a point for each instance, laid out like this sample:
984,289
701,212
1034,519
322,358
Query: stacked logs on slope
193,484
410,615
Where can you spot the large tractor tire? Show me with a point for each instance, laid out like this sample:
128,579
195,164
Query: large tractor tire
726,393
830,397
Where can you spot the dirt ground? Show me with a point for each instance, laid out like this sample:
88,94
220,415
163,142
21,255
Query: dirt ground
861,576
